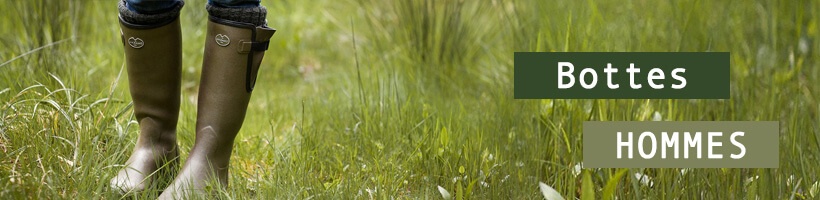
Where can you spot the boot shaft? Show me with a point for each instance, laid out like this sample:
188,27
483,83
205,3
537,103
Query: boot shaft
233,53
153,57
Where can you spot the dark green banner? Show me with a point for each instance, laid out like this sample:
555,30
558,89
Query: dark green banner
621,75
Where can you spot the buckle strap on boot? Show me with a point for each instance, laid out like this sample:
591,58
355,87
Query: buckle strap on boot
248,46
252,46
259,42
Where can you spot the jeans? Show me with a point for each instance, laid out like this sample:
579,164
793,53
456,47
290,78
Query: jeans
154,7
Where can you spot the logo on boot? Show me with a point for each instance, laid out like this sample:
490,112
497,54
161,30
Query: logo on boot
135,42
222,40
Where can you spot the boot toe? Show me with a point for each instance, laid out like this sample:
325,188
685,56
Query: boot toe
126,183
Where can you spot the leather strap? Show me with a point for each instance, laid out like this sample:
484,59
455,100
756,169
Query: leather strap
247,46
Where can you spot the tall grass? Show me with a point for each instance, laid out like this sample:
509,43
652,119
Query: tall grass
419,98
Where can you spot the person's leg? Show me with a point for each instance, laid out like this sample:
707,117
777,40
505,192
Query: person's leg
247,11
235,42
151,6
153,58
147,12
235,3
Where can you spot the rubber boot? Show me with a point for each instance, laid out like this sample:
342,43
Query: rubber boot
233,51
153,59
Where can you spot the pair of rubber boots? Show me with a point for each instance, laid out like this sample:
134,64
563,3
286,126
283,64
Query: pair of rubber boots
233,52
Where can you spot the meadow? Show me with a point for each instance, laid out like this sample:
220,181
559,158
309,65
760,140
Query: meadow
371,99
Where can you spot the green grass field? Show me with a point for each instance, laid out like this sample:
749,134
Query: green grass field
371,99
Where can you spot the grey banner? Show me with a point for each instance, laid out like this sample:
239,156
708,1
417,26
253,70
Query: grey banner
681,144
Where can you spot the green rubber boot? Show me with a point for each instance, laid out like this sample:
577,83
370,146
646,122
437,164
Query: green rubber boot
233,51
153,55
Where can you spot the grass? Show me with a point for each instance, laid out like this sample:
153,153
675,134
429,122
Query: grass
373,99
